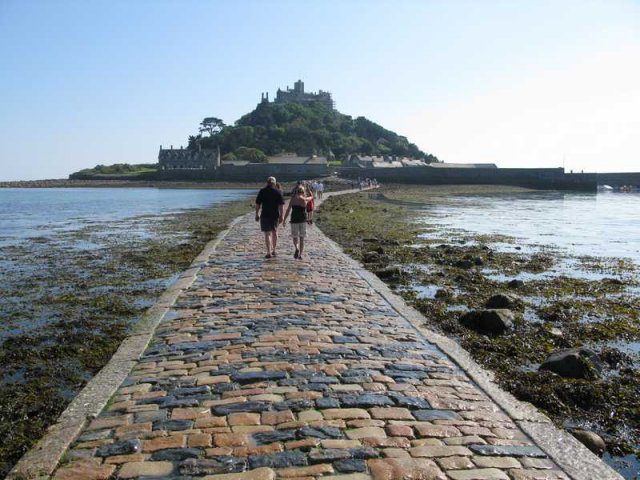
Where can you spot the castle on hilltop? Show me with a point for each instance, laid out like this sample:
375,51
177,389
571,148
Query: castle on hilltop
298,95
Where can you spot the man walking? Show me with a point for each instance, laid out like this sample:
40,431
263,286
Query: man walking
270,200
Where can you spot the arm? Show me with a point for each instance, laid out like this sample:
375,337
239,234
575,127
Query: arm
258,205
286,215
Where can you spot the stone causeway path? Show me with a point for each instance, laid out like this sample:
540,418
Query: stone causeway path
297,370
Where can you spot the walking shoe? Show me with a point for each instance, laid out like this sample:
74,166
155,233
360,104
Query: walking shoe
267,256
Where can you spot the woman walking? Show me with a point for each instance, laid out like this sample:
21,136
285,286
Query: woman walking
298,209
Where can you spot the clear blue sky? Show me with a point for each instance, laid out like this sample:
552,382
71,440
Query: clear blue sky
519,83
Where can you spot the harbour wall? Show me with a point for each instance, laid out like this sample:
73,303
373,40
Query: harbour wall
619,179
251,173
539,178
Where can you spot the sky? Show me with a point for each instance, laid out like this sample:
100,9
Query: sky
517,83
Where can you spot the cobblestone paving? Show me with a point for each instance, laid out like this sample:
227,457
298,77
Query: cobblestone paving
297,370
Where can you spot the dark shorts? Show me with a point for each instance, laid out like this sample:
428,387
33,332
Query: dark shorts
268,224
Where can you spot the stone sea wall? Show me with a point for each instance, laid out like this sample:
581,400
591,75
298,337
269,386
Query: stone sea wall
540,178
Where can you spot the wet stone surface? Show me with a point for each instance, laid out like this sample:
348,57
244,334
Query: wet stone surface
297,369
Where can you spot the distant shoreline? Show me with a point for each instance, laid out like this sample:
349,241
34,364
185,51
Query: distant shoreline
331,184
65,183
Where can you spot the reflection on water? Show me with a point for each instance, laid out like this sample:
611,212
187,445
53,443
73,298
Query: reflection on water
583,224
36,213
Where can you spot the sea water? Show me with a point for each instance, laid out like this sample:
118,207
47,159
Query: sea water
27,213
600,225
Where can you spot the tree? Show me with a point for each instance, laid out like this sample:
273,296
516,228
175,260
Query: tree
253,155
211,125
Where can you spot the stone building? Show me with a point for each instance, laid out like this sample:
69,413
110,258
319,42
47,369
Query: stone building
186,159
298,95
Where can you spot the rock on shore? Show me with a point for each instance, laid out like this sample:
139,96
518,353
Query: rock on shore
494,321
573,363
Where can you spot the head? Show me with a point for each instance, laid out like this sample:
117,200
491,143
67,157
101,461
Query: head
299,190
271,181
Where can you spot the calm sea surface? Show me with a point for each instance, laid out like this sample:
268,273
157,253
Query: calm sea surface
35,212
606,224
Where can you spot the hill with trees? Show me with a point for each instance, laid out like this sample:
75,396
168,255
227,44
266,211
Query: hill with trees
305,129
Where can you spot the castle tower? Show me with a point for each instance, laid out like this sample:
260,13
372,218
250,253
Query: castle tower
298,87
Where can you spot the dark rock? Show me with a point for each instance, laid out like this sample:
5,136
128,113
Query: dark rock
264,438
173,425
443,293
502,300
344,339
252,377
366,400
389,273
370,257
323,379
591,440
574,363
363,452
319,432
515,284
291,458
240,407
321,455
327,402
464,264
176,454
120,448
296,405
405,374
478,261
181,392
507,451
213,466
407,367
358,380
428,415
412,402
316,387
172,402
493,321
350,465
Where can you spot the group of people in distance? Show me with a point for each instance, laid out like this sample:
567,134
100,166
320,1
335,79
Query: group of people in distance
270,213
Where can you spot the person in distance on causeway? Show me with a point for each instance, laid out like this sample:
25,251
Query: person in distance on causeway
269,206
298,208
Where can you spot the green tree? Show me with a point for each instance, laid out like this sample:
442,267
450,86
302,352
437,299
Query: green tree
253,155
211,125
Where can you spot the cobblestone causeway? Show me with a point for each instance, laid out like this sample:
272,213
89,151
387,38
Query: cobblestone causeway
297,370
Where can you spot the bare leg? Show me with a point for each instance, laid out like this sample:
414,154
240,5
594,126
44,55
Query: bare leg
301,247
295,244
274,241
267,242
